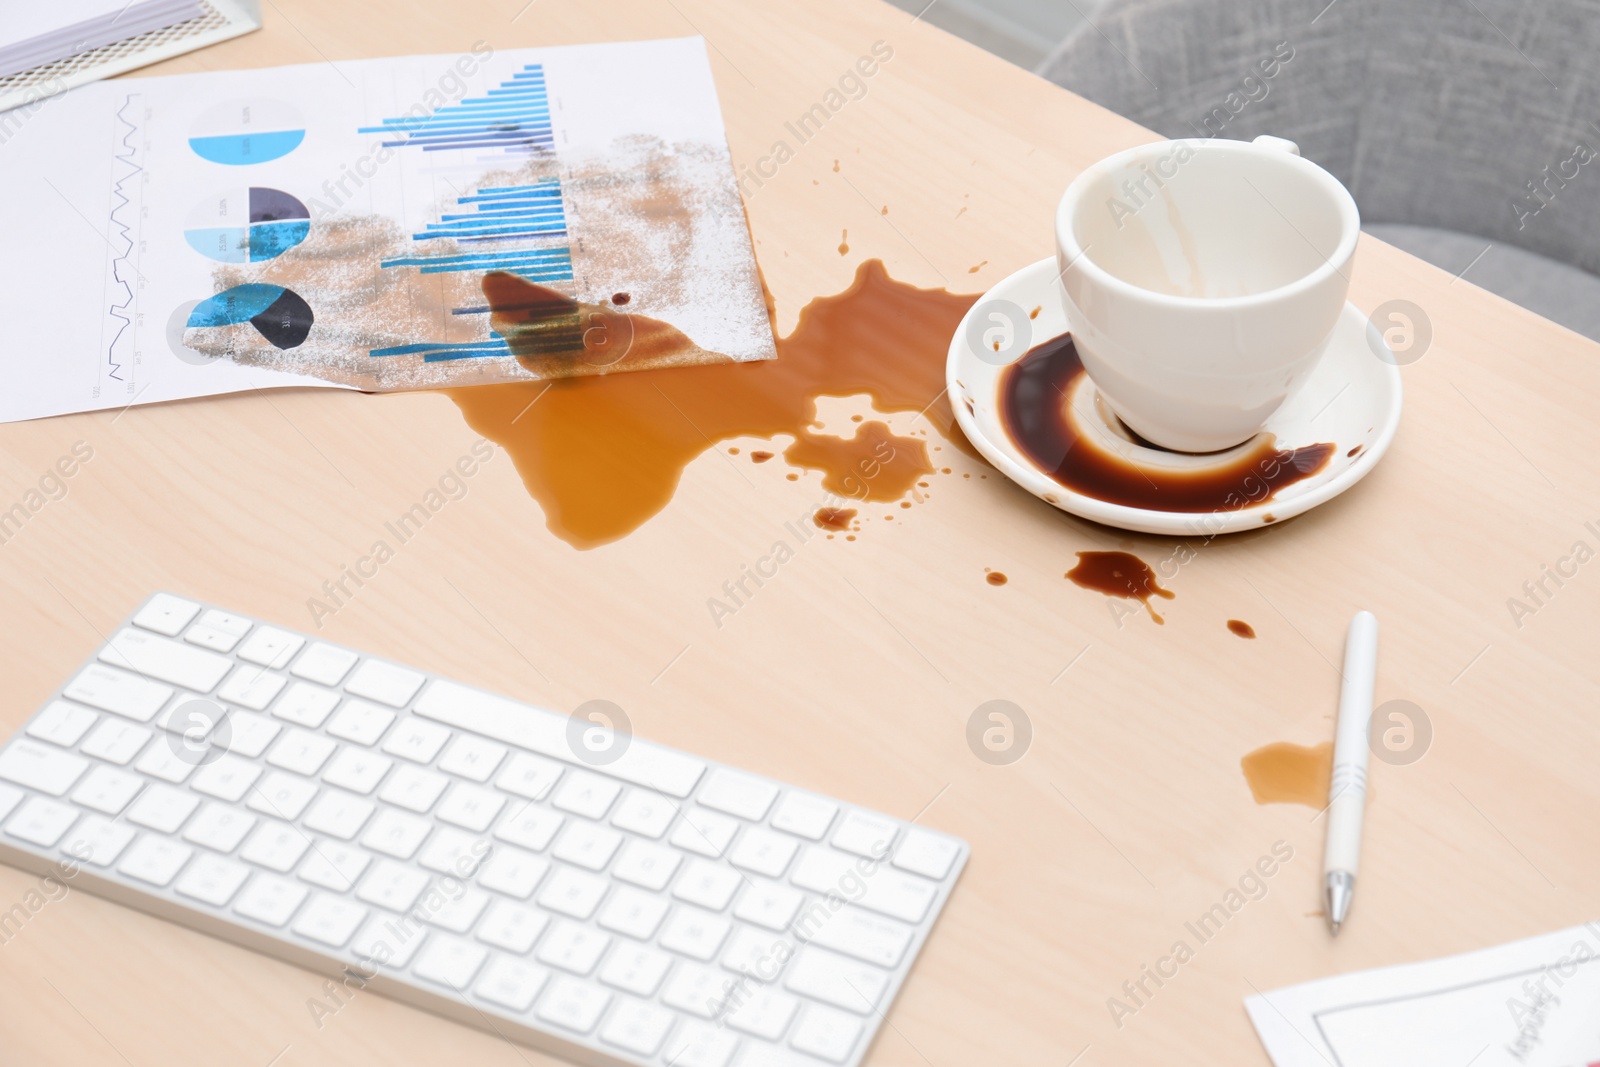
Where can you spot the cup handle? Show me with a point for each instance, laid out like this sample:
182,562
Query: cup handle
1281,144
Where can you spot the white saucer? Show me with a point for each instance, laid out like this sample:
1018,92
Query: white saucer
1352,400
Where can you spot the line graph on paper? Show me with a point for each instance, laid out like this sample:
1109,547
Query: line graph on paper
126,210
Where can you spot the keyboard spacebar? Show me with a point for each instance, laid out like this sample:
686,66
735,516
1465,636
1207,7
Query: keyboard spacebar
545,732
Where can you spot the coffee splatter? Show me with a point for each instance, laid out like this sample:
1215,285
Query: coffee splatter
996,578
834,518
844,243
760,456
1240,628
1284,773
1119,574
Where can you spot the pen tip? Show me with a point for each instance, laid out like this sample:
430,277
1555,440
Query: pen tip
1333,928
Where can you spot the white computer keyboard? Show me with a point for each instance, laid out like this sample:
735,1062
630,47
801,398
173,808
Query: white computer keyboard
600,897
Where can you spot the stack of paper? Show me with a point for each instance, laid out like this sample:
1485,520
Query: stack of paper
1533,1003
34,34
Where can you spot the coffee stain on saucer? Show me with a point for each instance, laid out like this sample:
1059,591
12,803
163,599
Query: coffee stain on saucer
1042,425
1286,773
1119,574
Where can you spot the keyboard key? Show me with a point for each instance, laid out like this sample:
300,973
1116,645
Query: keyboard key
227,778
324,664
115,741
760,954
862,935
339,814
360,721
357,770
835,980
706,884
301,752
927,854
587,845
106,789
249,734
42,821
763,852
277,846
705,832
334,866
865,835
212,879
697,990
62,723
156,860
118,692
387,941
392,885
304,704
282,795
251,687
162,808
631,912
805,815
764,1013
457,914
269,899
637,1027
573,893
166,614
513,872
511,983
416,740
97,840
453,852
219,827
161,761
646,865
385,683
768,904
218,631
737,794
42,767
329,920
635,969
529,776
695,933
10,797
826,1033
164,660
413,788
470,806
529,827
472,757
545,732
449,961
585,794
573,1005
269,647
396,834
511,927
644,812
701,1045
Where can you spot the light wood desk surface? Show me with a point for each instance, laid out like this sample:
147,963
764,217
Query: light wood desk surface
1128,816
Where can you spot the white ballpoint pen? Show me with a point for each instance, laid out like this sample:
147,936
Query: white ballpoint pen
1347,792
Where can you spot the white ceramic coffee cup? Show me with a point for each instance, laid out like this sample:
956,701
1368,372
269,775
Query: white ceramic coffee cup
1203,279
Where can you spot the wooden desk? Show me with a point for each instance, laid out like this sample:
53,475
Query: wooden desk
1127,818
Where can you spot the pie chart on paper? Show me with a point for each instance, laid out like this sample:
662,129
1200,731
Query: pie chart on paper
247,225
241,132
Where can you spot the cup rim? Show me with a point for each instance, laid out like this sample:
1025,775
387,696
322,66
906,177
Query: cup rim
1077,257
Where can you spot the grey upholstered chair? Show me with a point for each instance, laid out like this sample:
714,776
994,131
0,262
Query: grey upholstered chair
1458,125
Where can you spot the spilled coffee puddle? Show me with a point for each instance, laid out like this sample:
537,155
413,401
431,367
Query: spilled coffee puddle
604,453
1119,574
1034,412
1284,773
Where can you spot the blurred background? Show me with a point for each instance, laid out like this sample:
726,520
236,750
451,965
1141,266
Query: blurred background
1023,31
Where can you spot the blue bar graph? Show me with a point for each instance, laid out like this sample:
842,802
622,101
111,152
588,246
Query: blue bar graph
521,230
514,117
